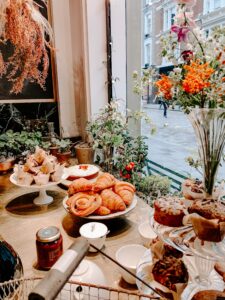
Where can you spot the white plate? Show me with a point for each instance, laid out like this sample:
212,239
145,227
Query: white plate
77,170
32,186
110,216
215,281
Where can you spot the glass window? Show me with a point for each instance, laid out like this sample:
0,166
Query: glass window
207,6
148,24
169,14
148,54
217,3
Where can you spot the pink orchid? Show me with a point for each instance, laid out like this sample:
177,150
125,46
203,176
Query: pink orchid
181,32
181,19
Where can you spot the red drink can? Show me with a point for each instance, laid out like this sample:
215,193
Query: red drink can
49,246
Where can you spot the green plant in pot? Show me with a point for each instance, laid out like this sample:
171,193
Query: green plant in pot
130,159
108,131
64,151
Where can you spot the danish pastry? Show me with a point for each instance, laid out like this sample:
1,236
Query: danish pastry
84,204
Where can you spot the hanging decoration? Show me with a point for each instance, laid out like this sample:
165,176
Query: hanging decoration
29,35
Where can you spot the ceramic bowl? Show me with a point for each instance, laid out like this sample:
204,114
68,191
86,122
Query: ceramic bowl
129,256
147,233
95,233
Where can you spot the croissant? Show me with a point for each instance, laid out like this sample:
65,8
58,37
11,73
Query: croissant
103,211
112,200
84,204
125,190
104,181
80,185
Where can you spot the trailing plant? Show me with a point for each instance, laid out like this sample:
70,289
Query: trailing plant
13,144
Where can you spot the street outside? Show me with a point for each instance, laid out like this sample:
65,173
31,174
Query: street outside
173,141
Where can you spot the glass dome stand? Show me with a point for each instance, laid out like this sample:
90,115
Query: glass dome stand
204,277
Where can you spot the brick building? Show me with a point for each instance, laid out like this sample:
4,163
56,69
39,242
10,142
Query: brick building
157,20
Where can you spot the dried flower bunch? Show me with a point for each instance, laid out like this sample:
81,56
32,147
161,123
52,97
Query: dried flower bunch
198,77
29,33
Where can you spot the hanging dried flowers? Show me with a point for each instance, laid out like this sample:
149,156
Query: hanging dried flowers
29,33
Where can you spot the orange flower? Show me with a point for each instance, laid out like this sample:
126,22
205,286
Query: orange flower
165,85
196,78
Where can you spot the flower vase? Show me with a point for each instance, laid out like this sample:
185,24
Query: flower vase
209,127
108,159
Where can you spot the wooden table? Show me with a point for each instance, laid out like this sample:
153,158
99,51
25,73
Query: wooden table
20,219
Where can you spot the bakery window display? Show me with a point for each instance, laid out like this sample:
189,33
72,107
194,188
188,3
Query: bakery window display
105,196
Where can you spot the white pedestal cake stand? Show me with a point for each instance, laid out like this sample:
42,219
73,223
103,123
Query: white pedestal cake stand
42,198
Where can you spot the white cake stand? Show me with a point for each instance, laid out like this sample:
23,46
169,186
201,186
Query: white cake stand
42,198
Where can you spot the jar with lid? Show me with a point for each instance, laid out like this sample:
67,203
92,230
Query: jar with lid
49,246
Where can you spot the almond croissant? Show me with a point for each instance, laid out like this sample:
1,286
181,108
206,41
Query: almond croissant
125,190
104,181
80,185
112,201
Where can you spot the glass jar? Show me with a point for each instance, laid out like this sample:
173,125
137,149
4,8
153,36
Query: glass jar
49,246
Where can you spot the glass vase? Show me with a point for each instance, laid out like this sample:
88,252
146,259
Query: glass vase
209,127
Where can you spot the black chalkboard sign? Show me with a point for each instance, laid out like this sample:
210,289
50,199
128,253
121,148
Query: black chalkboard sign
31,92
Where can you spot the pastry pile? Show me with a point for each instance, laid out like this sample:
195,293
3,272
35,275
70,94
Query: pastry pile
40,168
106,195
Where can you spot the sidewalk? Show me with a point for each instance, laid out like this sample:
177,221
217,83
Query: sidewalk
156,106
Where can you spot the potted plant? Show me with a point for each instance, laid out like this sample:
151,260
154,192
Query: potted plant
150,187
84,153
107,131
64,151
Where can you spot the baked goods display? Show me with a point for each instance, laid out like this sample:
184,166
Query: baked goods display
169,211
208,219
170,271
192,189
100,197
209,295
40,168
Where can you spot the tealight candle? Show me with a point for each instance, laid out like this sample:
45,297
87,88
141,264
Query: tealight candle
95,233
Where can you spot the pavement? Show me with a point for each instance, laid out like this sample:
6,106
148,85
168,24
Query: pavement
173,141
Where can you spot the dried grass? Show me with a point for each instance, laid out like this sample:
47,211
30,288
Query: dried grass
22,24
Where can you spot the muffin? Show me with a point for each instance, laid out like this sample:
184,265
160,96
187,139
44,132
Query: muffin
170,271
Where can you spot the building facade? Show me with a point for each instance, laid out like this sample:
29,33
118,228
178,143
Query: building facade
157,20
